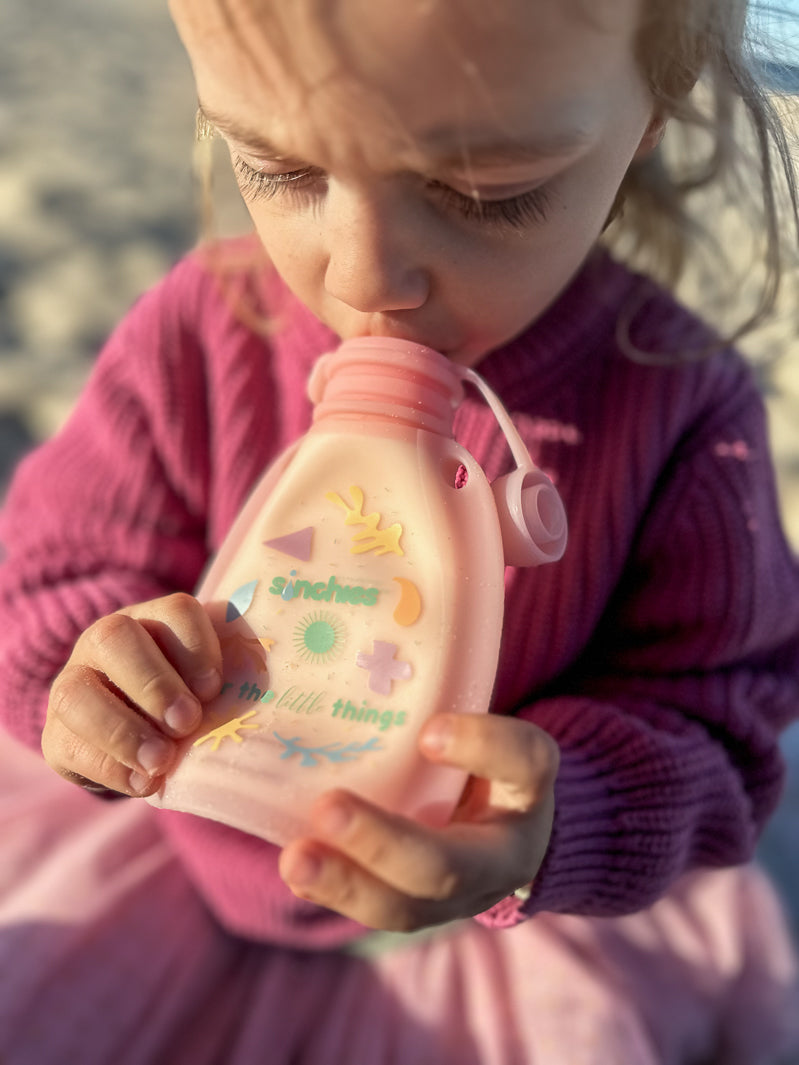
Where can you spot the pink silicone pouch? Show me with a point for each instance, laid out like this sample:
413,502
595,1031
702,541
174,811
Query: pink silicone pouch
360,592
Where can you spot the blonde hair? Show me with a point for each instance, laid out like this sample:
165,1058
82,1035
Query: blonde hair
726,133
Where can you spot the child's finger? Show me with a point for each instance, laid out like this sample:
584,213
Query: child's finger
123,650
518,759
402,887
465,859
329,878
410,857
183,631
92,733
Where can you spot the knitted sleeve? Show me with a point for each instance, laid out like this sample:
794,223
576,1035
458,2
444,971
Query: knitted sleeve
110,511
668,722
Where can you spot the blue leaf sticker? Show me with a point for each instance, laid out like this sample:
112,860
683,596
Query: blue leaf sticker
239,602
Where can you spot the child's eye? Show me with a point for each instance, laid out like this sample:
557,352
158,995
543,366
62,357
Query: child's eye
516,212
260,184
519,211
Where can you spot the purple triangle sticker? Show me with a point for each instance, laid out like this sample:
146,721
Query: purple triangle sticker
296,544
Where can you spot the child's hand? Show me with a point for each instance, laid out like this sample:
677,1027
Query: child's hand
391,873
132,686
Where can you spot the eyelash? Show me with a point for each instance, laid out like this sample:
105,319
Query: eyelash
515,212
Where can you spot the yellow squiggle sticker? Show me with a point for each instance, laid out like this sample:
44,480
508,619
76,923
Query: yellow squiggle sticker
371,538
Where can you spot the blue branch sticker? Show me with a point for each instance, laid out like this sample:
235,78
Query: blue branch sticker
333,752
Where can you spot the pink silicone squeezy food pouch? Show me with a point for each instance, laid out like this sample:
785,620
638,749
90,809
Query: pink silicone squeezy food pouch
360,591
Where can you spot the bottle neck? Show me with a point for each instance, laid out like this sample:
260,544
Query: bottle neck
387,380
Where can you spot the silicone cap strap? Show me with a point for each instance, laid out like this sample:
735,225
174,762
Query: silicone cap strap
521,455
531,515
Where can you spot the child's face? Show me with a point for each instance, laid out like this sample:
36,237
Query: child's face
435,170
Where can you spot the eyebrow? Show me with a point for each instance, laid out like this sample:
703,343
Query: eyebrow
229,127
455,146
438,144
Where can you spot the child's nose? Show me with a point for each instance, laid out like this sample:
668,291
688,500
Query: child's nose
374,254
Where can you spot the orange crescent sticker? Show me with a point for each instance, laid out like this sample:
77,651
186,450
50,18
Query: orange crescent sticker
409,606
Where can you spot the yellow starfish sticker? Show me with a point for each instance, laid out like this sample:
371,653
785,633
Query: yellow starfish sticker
227,730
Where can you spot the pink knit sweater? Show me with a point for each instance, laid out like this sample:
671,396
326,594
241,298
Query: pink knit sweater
662,653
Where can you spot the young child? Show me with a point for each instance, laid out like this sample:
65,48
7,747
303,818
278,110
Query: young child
439,171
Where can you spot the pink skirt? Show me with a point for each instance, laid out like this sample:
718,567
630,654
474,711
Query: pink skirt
107,957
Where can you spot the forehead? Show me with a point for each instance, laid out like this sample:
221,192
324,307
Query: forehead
405,70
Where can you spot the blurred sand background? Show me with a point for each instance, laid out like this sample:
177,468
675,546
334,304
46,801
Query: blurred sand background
97,201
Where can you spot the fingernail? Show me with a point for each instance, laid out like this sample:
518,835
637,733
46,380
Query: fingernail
183,715
154,755
206,685
436,737
138,783
303,869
